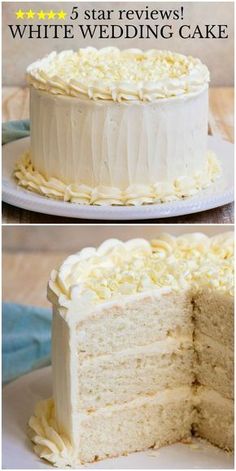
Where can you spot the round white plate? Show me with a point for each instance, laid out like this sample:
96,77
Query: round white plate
19,398
218,194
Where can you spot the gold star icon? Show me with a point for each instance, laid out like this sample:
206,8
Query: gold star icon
20,15
41,15
61,15
30,14
51,15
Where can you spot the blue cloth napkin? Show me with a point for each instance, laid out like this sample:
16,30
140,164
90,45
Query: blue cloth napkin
26,344
13,130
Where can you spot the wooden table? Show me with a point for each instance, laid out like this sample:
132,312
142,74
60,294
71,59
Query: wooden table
16,104
26,276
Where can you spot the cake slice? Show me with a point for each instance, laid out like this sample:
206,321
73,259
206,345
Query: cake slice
141,349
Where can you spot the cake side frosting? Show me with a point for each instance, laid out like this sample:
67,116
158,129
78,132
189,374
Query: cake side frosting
117,268
112,74
137,194
113,153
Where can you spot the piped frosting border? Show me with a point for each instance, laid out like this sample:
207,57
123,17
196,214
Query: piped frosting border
49,443
161,192
112,74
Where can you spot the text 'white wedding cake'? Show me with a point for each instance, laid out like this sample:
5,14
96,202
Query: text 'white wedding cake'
111,127
142,349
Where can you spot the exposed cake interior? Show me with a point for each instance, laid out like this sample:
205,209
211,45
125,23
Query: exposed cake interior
142,349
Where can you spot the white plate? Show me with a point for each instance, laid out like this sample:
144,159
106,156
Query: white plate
19,398
218,194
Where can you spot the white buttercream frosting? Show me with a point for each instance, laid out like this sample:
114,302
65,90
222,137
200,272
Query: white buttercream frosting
49,443
137,194
112,74
118,269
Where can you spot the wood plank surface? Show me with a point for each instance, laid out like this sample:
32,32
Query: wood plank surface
221,113
16,105
25,276
71,239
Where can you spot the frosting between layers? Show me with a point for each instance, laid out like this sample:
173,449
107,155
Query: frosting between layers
136,194
111,74
118,269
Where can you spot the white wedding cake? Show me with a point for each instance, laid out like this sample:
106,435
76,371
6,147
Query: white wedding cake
142,349
111,127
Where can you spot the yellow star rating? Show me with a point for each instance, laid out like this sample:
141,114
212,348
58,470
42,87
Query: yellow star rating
51,15
41,15
20,15
61,15
30,14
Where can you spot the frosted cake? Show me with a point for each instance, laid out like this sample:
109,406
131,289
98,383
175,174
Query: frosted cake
111,127
142,349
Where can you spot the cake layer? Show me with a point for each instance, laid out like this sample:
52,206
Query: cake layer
133,322
122,376
137,425
215,420
213,313
214,367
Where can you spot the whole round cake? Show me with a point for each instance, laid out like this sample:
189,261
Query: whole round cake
142,349
111,127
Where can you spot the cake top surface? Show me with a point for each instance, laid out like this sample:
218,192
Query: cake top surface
112,74
117,269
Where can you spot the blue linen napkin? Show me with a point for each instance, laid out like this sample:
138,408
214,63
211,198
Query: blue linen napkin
13,130
26,344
